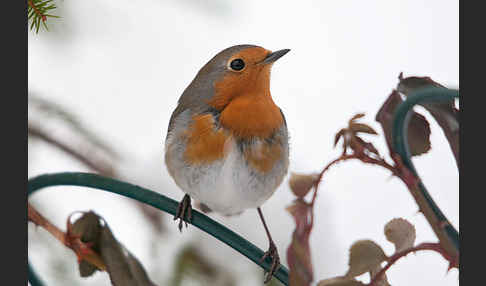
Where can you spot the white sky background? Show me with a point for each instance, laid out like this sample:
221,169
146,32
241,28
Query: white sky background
122,65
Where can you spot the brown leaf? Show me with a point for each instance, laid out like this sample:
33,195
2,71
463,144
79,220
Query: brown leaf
366,145
418,135
340,281
121,265
409,84
357,116
446,114
124,268
364,256
87,228
83,237
360,127
338,136
298,253
301,184
418,128
401,233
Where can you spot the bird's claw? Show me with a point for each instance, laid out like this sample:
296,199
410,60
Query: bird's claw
273,254
184,211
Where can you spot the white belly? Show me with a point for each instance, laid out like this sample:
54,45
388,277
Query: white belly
226,186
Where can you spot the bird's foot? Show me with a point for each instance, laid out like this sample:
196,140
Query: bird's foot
184,211
273,254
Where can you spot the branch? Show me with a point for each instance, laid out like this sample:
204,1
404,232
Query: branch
362,157
423,246
81,249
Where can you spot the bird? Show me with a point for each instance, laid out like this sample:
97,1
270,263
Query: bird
227,143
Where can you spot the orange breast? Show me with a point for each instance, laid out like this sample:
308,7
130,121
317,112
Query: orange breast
204,143
252,115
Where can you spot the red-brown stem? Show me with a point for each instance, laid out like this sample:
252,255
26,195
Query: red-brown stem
31,4
35,217
362,157
81,249
423,246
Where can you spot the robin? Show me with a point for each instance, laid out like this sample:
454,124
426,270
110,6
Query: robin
227,142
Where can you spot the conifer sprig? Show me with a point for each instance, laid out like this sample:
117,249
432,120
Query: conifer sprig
38,12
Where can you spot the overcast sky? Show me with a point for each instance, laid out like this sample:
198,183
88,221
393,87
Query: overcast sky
122,65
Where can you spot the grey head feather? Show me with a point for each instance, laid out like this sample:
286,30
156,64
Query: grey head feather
201,89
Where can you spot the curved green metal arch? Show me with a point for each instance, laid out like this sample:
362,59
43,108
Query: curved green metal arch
399,134
158,201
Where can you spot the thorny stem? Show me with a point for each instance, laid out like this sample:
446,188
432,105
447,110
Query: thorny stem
362,157
423,246
81,249
39,220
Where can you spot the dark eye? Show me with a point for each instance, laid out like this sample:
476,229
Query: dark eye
237,64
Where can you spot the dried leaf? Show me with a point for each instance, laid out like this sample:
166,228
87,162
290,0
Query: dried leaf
87,228
446,114
360,127
83,237
338,136
418,128
298,253
122,266
357,116
301,184
418,135
401,233
364,256
340,281
366,145
409,84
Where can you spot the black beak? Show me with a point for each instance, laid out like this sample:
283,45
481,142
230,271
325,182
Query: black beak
272,57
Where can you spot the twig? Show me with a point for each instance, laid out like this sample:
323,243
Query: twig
362,157
423,246
81,249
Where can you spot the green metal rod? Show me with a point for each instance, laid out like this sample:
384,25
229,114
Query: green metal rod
400,131
158,201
